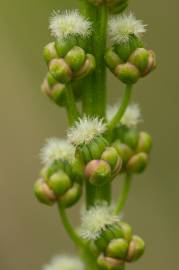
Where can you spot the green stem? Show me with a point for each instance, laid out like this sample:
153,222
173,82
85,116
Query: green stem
125,101
124,194
71,108
94,90
68,227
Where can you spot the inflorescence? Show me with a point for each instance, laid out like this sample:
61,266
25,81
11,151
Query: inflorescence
97,149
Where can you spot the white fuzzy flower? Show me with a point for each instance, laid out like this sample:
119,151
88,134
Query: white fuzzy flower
69,23
95,220
56,149
85,129
131,118
121,27
64,262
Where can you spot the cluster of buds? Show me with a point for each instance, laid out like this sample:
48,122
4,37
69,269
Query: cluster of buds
128,59
102,162
67,61
133,147
115,6
61,178
110,239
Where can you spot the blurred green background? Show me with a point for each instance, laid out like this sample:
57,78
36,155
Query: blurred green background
30,234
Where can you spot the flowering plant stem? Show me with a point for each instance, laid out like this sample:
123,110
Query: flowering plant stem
124,194
94,97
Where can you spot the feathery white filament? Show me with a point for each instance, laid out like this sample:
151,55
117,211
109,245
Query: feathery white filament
69,23
65,262
56,149
95,220
85,129
131,118
121,27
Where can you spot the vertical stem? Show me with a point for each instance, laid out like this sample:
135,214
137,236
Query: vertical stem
94,91
71,108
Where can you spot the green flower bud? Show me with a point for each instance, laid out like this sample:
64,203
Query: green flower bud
43,193
64,46
144,142
127,230
92,150
55,92
116,230
50,79
71,196
126,49
77,171
124,151
137,163
60,70
111,156
130,137
152,63
139,58
87,68
117,248
112,59
127,73
136,249
101,243
59,182
75,58
98,172
107,263
49,52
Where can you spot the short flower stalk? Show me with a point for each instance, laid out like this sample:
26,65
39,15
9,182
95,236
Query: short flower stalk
103,143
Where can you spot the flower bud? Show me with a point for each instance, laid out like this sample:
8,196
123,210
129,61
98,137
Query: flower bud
144,142
130,137
98,172
77,171
136,249
64,46
75,58
50,80
111,156
127,73
117,248
101,243
49,52
137,163
112,59
87,68
71,196
60,70
43,193
152,63
124,151
127,230
107,263
126,49
59,182
140,58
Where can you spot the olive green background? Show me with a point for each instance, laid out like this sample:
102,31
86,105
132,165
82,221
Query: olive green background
30,233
